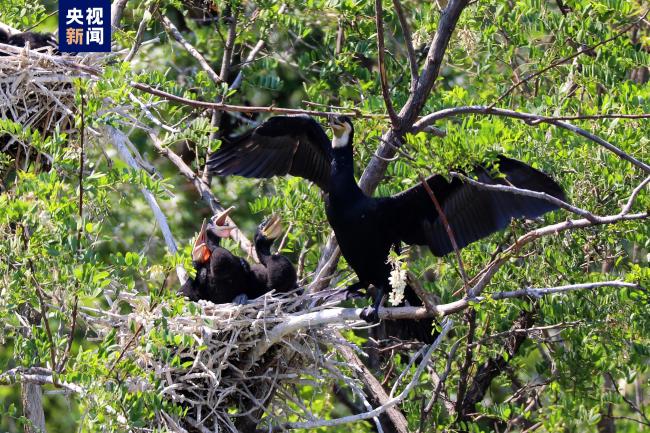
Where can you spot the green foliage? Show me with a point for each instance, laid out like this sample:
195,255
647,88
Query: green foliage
50,256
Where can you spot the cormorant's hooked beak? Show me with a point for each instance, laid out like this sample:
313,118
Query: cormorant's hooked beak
200,252
338,127
220,221
272,228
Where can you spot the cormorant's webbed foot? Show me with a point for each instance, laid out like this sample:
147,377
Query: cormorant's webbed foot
370,315
240,299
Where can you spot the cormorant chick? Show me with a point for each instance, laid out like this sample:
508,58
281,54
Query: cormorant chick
221,276
275,272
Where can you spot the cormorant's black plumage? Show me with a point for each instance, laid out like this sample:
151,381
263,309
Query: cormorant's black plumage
221,276
275,270
35,40
367,228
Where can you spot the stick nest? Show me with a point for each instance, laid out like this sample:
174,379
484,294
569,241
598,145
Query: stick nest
36,93
206,359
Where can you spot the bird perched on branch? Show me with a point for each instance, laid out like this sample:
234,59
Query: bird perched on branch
221,276
275,272
366,228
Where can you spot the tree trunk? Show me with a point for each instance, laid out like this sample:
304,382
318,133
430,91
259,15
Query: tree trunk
32,399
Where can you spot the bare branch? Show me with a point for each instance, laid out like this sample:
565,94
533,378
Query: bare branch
630,201
245,109
381,62
173,31
485,276
408,41
142,27
225,74
447,226
377,394
120,141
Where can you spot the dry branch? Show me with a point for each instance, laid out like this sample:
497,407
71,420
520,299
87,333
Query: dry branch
120,141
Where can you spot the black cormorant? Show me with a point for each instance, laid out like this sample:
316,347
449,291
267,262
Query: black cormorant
36,40
275,270
221,276
366,228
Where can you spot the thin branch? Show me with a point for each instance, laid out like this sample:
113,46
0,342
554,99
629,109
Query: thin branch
602,116
243,108
467,363
139,35
630,403
485,276
408,41
566,59
528,193
225,74
534,329
381,63
173,31
251,56
80,229
120,141
630,201
205,192
447,226
446,326
528,118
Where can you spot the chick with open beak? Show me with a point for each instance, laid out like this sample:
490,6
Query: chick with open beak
221,276
275,272
209,235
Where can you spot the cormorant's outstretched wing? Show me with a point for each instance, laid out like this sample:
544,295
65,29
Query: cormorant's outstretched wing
295,145
472,213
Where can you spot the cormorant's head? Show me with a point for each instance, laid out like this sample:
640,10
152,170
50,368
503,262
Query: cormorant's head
205,243
269,230
342,130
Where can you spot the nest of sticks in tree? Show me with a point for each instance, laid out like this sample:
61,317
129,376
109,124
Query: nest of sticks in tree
224,366
36,97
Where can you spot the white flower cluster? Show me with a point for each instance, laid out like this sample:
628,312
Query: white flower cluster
397,281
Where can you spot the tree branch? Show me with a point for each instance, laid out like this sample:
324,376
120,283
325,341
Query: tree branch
381,62
120,141
566,59
446,326
173,31
408,41
244,108
528,118
342,315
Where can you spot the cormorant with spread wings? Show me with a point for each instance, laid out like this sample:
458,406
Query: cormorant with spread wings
366,228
